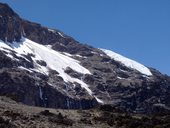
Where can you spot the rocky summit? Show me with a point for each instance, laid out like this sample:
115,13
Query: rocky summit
44,67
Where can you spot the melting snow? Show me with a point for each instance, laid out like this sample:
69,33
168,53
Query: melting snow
128,62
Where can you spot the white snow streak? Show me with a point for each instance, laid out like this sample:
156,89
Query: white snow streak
25,68
99,100
120,77
128,62
60,34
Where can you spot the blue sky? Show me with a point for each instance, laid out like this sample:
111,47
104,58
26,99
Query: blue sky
138,29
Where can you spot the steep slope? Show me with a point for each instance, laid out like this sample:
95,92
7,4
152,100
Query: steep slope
44,67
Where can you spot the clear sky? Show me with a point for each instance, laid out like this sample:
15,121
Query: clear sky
138,29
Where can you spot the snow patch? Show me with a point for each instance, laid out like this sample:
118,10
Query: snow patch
101,54
120,78
51,30
99,100
48,46
79,56
128,62
61,34
10,56
54,31
23,68
4,45
67,54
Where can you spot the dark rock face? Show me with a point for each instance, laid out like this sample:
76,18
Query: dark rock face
38,33
73,73
57,39
5,61
16,83
6,10
10,24
110,81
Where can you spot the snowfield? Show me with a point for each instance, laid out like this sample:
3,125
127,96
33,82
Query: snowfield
54,60
128,62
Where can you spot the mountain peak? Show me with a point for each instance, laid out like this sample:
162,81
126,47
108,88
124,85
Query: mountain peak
10,24
5,10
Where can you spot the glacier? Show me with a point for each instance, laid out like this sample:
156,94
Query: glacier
127,62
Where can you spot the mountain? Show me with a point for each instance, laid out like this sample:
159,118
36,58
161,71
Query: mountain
45,67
